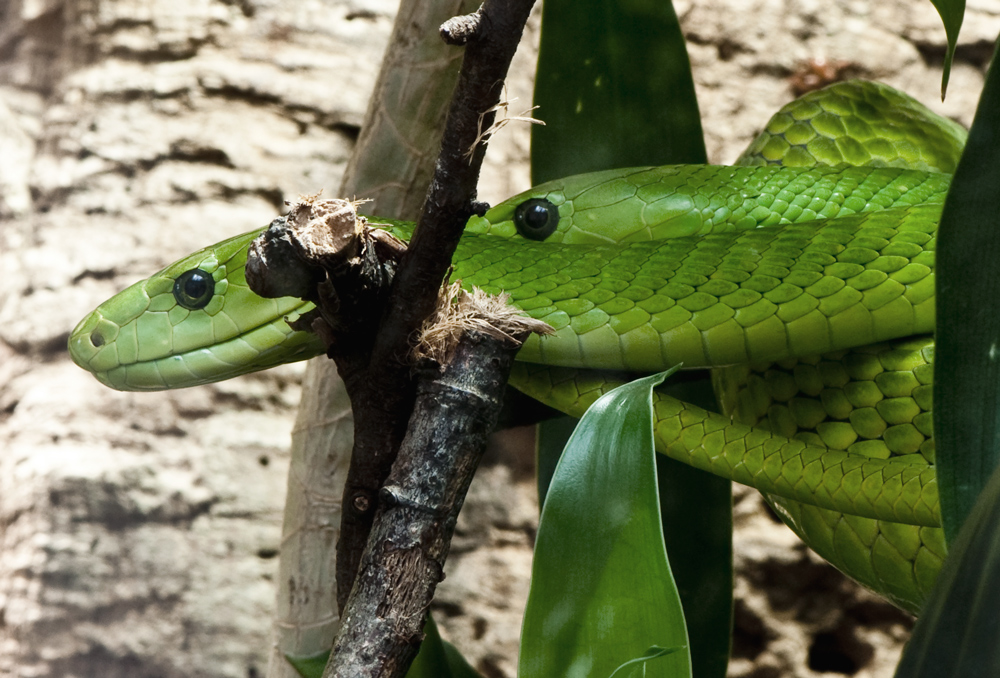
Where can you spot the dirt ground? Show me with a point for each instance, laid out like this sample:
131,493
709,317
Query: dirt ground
138,532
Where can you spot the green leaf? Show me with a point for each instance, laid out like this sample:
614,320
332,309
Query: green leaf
967,351
601,589
697,517
957,633
614,88
437,659
697,512
309,666
550,439
952,12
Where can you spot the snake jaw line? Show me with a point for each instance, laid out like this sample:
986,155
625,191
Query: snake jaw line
181,347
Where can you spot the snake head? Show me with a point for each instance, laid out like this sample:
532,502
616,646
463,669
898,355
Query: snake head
613,206
194,322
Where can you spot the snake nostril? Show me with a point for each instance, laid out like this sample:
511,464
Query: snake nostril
97,339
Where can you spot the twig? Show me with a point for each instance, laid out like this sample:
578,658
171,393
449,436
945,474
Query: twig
502,107
378,378
392,163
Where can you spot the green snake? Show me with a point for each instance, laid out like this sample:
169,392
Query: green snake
788,273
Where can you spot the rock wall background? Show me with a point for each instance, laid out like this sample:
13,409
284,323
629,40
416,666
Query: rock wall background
138,531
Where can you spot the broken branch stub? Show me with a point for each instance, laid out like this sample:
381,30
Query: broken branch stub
459,30
324,252
458,312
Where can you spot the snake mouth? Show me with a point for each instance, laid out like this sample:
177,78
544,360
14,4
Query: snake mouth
97,344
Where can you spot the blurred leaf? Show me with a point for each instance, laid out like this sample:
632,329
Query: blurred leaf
601,588
437,659
967,351
957,634
698,531
551,438
310,666
614,88
952,12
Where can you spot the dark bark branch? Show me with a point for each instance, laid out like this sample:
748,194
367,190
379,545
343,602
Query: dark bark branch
382,408
371,341
383,620
460,30
322,251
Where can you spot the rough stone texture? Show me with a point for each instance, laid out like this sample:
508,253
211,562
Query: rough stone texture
761,44
139,530
797,616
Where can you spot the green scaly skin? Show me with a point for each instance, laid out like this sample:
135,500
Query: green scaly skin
834,400
873,401
731,284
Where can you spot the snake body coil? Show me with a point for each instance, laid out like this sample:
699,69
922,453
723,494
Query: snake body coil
782,273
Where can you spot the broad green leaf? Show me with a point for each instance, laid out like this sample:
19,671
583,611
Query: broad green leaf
697,512
952,12
697,517
437,659
967,351
957,633
614,88
601,591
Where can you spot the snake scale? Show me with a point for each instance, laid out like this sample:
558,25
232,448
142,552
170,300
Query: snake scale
803,276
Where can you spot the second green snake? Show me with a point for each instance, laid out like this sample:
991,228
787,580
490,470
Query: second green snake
766,268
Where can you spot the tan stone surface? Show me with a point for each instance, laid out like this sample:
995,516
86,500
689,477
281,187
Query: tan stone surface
138,531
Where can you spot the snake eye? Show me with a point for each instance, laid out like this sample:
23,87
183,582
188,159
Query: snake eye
536,218
194,289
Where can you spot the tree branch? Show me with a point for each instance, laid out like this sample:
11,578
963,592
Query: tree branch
378,378
322,251
456,409
385,393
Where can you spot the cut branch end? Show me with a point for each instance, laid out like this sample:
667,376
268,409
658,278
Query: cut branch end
459,311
